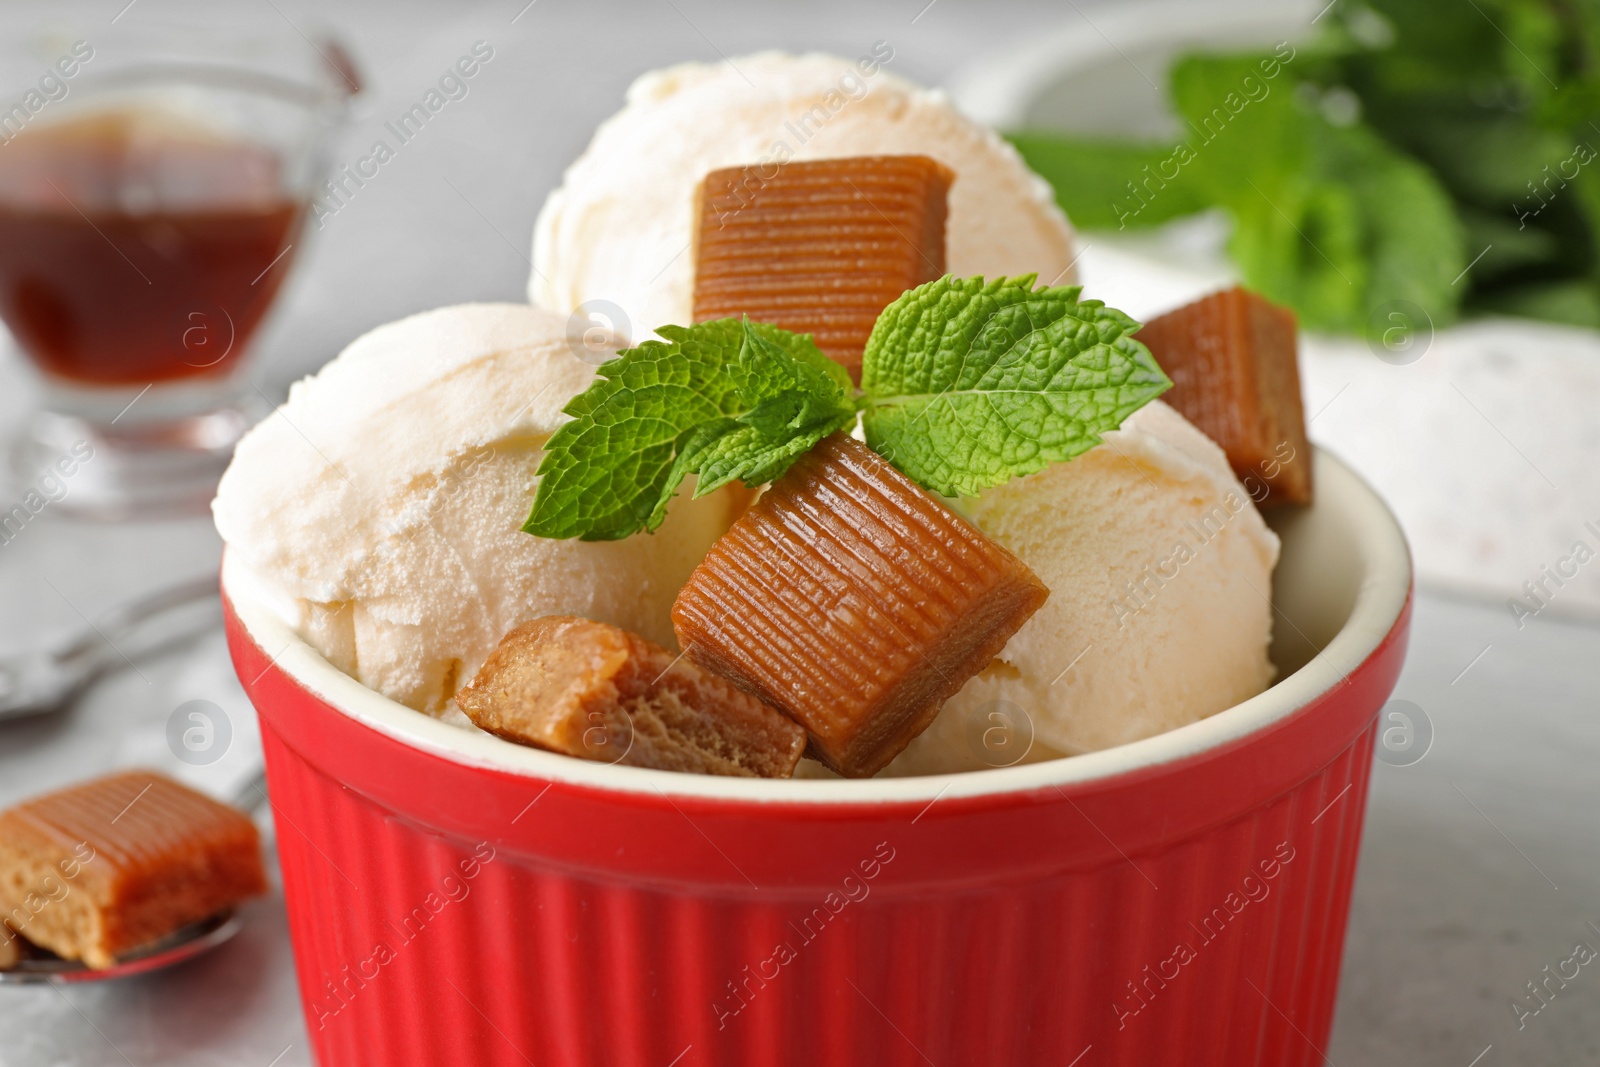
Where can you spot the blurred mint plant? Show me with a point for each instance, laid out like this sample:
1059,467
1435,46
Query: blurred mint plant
1378,161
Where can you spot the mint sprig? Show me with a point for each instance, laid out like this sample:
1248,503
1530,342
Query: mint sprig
721,400
965,385
970,383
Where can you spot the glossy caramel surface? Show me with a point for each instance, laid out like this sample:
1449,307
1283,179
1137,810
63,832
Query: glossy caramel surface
854,601
1233,361
819,247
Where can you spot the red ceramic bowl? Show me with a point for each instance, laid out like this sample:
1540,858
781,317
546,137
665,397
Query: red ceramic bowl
455,899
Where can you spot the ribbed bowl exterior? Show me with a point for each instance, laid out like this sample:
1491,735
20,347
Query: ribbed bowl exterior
1191,913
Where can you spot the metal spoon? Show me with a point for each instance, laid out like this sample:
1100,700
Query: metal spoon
181,945
42,680
177,947
37,682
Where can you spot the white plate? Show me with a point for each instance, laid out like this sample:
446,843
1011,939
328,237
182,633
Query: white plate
1486,442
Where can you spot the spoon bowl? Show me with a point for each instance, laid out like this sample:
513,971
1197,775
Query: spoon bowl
177,947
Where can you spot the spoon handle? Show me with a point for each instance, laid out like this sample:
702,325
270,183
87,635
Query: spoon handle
102,644
252,794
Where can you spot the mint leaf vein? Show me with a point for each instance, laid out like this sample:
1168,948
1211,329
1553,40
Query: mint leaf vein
721,400
971,383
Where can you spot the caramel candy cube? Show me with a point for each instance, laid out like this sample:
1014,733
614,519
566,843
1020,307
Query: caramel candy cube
855,602
1236,375
819,247
596,691
100,869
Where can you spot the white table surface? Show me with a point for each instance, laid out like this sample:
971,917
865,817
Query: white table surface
1480,863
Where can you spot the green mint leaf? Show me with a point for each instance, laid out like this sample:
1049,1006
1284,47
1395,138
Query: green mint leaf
1411,232
722,400
1575,303
1107,185
1328,218
796,396
788,383
971,383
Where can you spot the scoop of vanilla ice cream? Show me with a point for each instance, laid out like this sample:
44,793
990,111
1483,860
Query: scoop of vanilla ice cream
382,504
1160,577
619,228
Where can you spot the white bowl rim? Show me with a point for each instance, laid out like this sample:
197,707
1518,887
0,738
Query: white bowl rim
1384,591
997,86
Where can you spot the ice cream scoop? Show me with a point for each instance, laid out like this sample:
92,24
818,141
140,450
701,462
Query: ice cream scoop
1160,613
620,227
382,504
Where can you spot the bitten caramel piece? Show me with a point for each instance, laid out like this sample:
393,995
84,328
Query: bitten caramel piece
1235,374
854,601
103,868
819,247
596,691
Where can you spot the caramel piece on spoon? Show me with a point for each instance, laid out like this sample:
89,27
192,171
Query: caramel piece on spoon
598,692
99,869
819,247
855,602
1236,375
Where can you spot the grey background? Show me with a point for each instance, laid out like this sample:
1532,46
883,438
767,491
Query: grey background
1479,867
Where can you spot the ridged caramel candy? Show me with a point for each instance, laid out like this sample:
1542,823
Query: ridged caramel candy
1235,372
595,691
819,247
853,601
103,868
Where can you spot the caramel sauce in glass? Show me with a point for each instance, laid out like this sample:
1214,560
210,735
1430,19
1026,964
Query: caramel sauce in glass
137,247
